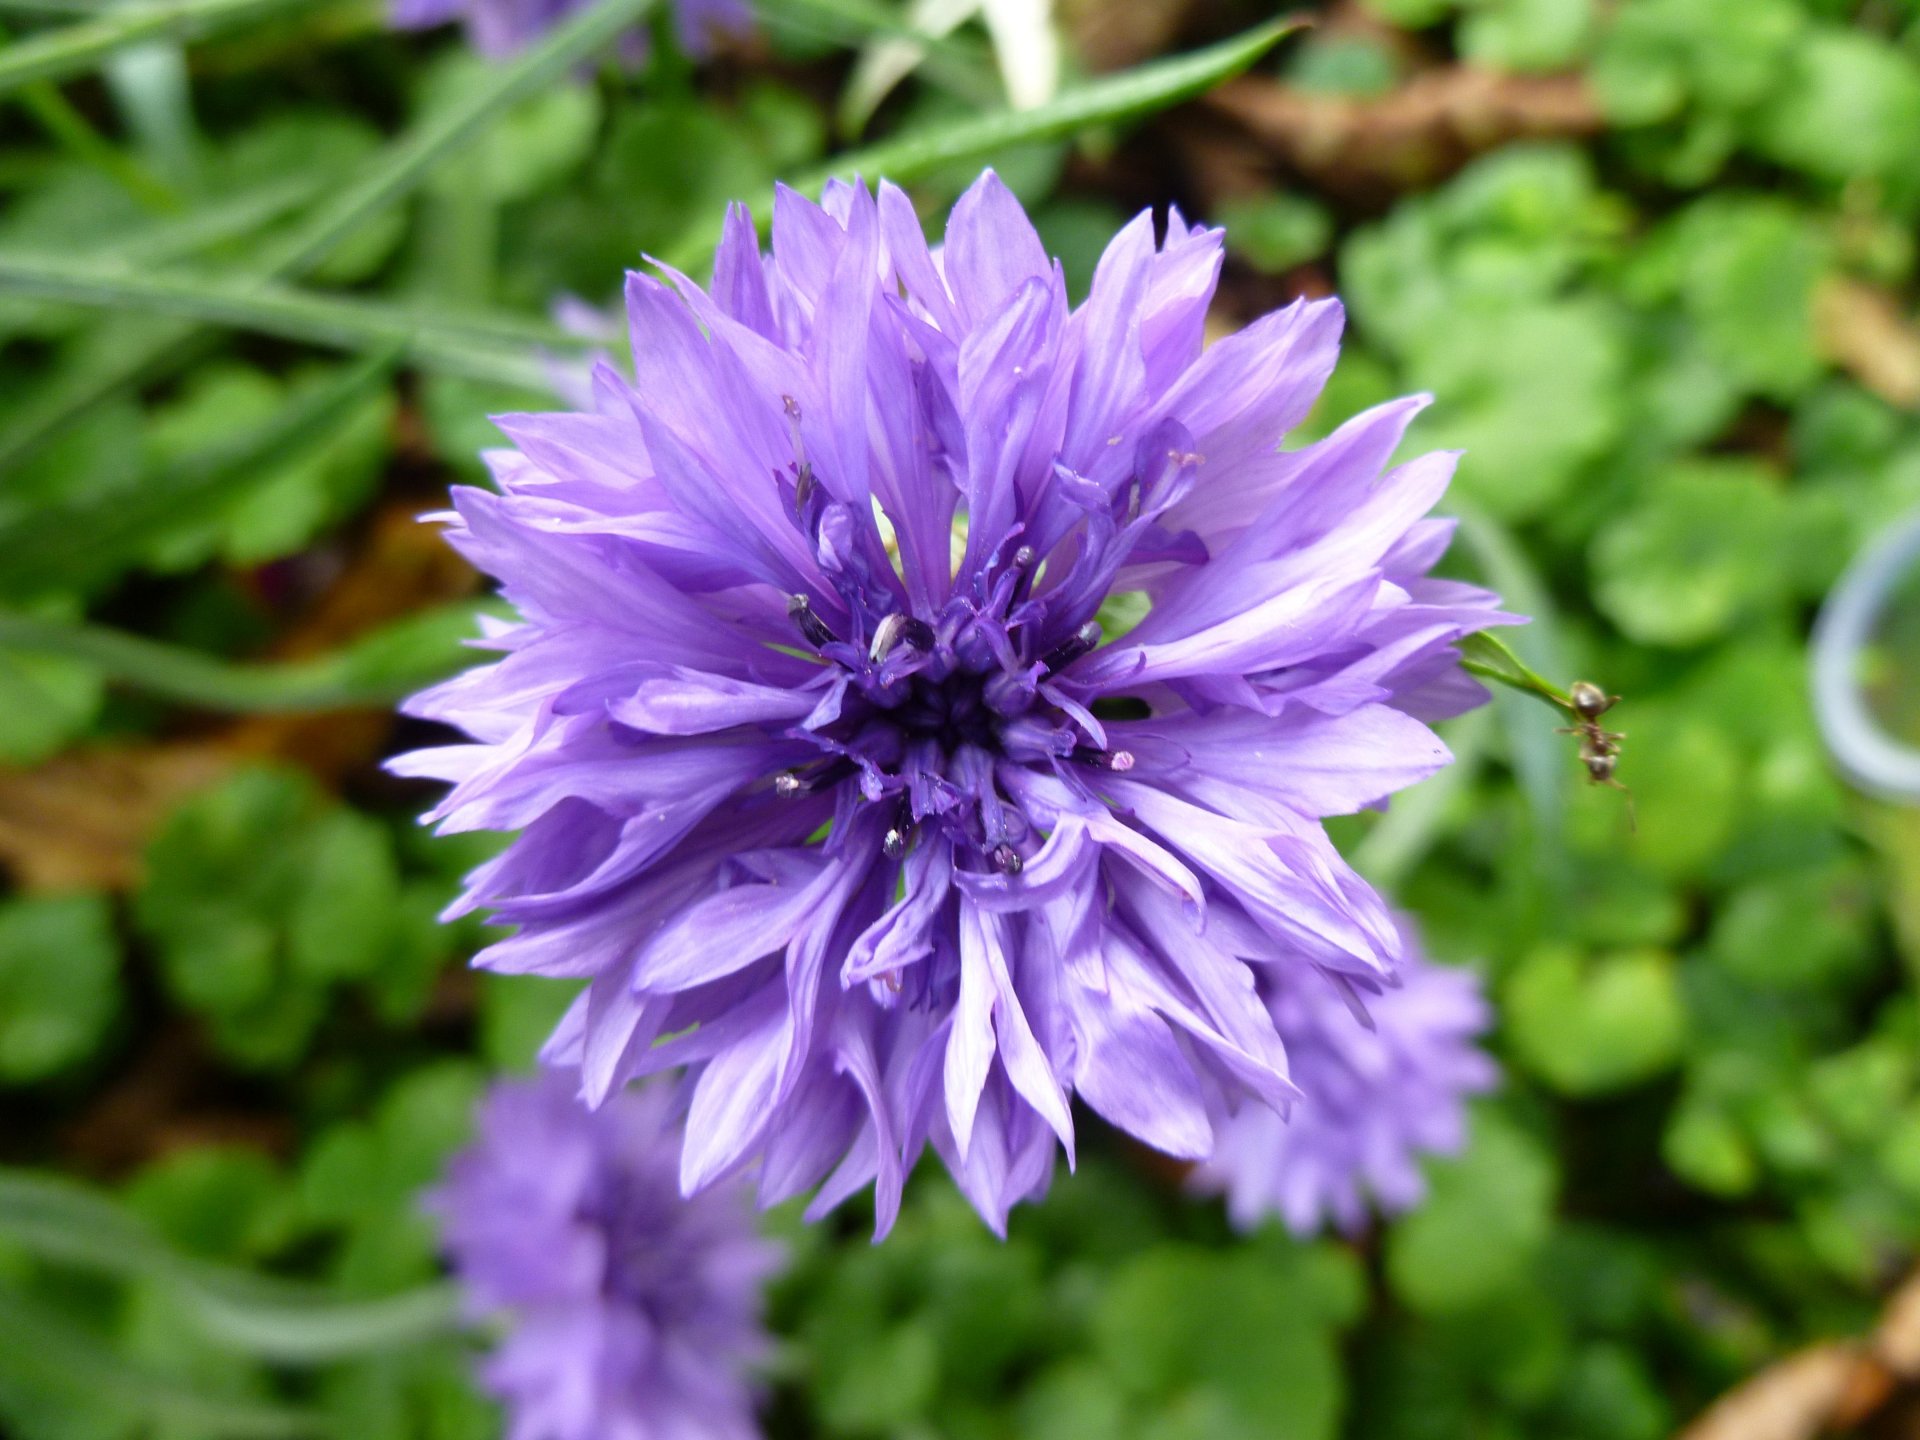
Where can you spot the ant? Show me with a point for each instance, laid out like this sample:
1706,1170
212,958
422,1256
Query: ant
1599,749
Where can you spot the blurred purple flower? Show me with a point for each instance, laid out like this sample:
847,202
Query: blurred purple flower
498,28
820,766
631,1313
1379,1091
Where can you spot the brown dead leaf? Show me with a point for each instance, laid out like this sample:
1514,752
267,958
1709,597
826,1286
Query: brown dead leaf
1114,34
1867,333
1794,1399
1416,134
81,820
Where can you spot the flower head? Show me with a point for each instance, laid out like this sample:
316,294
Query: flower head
828,759
1379,1090
631,1312
498,28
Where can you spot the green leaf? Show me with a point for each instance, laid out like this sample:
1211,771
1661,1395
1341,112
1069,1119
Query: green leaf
1706,1148
1530,395
208,496
1678,568
1847,106
1276,232
59,983
1798,932
258,896
1479,1232
46,701
1745,269
1589,1027
342,920
1524,35
517,1014
1242,1336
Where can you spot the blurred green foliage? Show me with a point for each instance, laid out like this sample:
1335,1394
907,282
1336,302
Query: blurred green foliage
1707,1148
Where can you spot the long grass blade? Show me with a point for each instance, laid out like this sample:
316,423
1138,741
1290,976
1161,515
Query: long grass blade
71,49
488,347
1136,92
68,1224
138,355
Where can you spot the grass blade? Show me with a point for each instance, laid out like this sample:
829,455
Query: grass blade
1135,92
136,356
487,347
56,54
41,1347
241,1312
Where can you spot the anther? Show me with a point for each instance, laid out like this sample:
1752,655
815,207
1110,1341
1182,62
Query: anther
791,784
1119,761
918,634
1071,649
895,844
800,611
1007,860
888,633
1024,557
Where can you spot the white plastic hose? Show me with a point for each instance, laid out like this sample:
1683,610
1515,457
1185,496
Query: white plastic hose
1871,758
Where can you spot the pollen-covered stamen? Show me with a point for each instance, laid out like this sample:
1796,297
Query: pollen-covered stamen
1007,860
1119,761
888,633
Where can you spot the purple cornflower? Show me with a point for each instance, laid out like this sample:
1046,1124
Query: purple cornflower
1379,1091
822,772
497,28
631,1313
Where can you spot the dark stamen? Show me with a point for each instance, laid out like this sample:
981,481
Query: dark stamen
1120,761
795,783
803,487
1071,649
1007,860
800,611
918,634
895,844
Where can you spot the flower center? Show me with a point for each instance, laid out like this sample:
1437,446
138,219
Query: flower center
923,715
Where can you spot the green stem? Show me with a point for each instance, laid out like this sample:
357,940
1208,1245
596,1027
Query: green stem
71,49
376,671
1487,656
